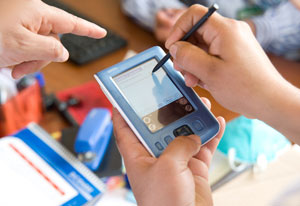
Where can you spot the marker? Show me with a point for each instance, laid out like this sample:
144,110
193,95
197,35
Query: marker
210,11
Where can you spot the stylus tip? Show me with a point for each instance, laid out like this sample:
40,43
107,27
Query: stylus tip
155,69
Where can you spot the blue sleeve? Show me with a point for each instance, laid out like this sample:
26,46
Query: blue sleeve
278,30
144,11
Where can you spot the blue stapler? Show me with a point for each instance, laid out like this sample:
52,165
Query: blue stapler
93,138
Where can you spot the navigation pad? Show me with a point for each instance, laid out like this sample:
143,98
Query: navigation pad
183,131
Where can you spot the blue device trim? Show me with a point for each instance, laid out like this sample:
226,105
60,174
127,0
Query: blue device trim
201,113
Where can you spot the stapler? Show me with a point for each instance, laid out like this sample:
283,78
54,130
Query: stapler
93,138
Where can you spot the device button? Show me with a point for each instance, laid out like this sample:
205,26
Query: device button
188,108
183,101
197,125
147,120
183,131
168,139
152,127
159,146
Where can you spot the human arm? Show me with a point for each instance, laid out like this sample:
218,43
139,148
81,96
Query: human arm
277,30
226,59
165,20
178,177
144,11
29,34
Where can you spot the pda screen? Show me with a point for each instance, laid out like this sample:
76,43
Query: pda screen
154,97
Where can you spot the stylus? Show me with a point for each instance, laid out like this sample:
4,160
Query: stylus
210,11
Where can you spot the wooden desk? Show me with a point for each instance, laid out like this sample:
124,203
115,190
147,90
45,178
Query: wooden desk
61,76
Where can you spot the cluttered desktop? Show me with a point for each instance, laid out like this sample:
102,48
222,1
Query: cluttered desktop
59,147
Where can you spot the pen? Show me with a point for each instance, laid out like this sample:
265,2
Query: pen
210,11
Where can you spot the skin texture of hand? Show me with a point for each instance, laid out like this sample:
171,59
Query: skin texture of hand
29,34
296,3
178,177
165,20
224,57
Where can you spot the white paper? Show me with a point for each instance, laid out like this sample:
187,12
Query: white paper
28,179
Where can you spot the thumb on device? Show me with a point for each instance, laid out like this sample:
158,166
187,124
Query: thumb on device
183,148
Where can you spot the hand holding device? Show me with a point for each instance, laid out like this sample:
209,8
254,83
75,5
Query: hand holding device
226,59
28,34
178,177
157,106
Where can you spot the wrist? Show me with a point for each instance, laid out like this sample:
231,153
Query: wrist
281,109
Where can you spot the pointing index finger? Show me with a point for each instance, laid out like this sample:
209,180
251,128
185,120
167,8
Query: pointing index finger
62,22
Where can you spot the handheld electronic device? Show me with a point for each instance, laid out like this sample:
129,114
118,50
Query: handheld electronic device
157,106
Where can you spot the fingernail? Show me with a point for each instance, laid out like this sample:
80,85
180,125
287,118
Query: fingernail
17,75
65,56
173,50
103,30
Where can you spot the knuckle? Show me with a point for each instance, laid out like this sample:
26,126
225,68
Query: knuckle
180,140
56,50
22,43
183,53
195,140
245,26
212,67
75,21
235,25
190,142
196,8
